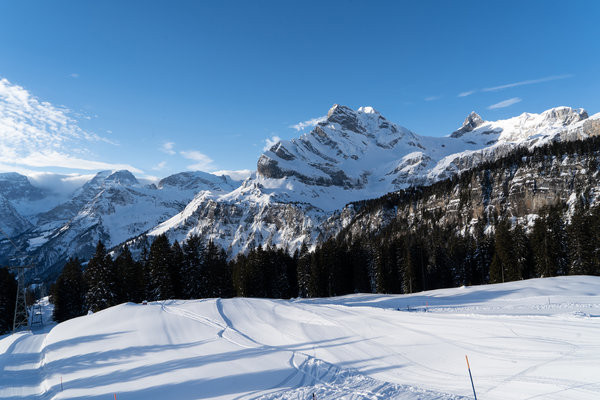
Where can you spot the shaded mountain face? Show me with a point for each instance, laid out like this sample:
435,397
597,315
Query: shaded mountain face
297,195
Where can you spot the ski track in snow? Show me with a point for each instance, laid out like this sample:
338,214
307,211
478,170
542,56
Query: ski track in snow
537,339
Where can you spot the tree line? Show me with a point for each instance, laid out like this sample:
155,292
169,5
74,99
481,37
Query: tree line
400,259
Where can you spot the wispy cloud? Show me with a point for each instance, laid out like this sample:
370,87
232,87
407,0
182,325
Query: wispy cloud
528,82
467,93
238,175
505,103
35,133
432,98
160,166
74,75
300,126
168,147
203,162
270,142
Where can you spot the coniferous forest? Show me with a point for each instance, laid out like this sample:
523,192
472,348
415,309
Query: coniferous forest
398,260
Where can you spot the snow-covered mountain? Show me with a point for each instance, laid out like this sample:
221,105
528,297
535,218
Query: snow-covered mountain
297,195
302,184
113,207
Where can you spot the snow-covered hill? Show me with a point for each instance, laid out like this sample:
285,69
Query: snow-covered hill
535,339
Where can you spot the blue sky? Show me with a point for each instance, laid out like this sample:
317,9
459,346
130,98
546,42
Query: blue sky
162,86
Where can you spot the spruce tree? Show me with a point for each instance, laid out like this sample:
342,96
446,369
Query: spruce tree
131,275
303,271
193,253
101,281
160,285
176,269
216,273
69,292
581,245
501,268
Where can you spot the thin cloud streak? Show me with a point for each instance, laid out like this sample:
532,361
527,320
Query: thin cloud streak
505,103
432,98
203,162
467,93
528,82
168,147
300,126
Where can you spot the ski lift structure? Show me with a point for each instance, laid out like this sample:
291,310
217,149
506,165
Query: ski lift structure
21,320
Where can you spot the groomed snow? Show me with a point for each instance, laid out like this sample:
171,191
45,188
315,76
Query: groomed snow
535,339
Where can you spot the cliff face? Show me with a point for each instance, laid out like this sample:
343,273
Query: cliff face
518,186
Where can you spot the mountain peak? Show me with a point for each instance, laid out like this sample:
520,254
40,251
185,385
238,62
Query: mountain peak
123,177
472,121
345,116
565,115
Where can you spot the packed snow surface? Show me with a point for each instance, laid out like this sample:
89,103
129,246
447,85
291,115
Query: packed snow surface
535,339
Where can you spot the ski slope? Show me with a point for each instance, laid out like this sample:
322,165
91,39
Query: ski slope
535,339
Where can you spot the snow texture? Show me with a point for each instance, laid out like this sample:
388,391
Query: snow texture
535,339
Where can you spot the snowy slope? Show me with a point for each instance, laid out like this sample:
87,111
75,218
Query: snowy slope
525,340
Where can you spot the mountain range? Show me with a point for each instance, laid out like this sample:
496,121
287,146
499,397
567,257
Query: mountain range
301,192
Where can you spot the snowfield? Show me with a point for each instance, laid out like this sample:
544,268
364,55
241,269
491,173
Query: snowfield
534,339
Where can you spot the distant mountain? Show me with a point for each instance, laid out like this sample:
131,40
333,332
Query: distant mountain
297,195
112,207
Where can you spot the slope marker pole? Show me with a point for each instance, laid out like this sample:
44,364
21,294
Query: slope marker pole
471,376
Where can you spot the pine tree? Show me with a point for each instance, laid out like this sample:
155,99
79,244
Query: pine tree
216,273
8,293
160,285
131,275
303,271
176,268
101,281
502,268
69,292
581,245
192,277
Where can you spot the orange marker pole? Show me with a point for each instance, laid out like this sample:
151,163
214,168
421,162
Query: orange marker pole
471,376
115,396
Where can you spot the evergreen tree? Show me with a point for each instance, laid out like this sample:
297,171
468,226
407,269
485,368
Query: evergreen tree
101,281
69,292
581,245
8,294
131,275
502,268
192,276
160,270
216,273
303,271
176,268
